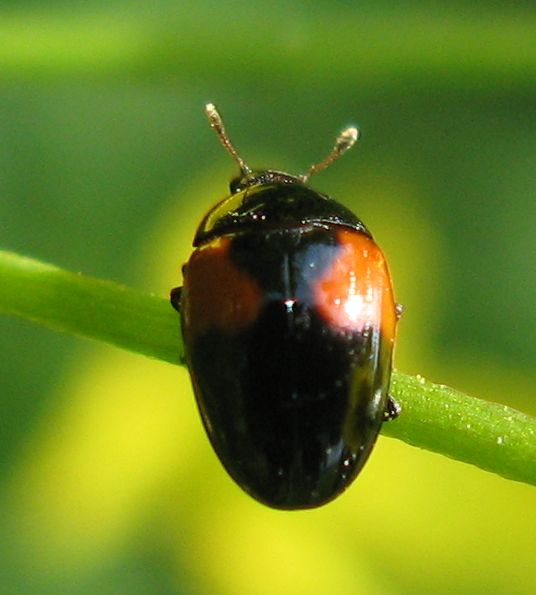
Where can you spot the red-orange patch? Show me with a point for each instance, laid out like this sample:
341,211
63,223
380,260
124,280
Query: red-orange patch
217,293
355,293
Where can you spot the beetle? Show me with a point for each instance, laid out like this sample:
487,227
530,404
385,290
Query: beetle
289,321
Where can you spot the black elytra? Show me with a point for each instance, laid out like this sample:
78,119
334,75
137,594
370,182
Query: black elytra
289,322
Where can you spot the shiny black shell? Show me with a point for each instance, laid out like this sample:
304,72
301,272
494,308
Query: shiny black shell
288,320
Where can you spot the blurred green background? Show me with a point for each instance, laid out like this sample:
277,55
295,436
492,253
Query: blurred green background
108,484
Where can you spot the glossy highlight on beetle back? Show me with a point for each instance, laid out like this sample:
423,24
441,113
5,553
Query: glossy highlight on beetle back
355,293
289,323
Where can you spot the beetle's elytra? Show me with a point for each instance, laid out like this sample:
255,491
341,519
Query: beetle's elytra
289,322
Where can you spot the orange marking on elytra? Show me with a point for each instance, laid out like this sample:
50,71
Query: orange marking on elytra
218,294
355,293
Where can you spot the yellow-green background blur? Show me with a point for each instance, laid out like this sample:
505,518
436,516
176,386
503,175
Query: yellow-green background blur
108,484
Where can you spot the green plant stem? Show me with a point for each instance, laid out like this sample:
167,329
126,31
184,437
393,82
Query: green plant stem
435,417
74,303
491,436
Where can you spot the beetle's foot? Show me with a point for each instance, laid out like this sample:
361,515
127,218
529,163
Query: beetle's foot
175,298
392,409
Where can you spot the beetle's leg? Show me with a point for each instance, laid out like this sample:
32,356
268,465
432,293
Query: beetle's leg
175,298
399,310
392,409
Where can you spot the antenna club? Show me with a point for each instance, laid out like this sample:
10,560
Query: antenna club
350,135
212,114
346,140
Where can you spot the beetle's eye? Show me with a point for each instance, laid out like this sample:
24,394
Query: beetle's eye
234,185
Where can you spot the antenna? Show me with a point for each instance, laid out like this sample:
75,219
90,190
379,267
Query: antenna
346,140
216,122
